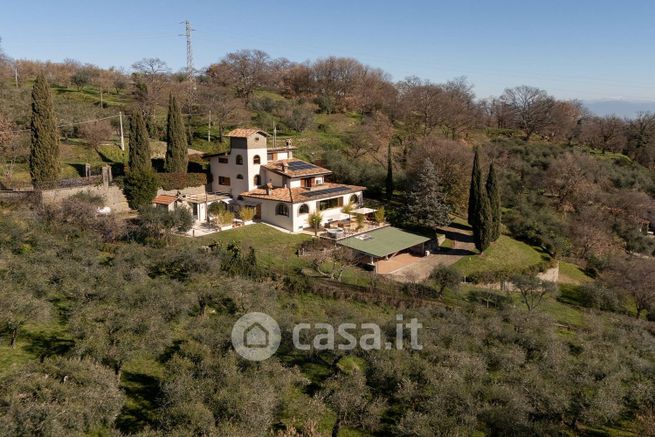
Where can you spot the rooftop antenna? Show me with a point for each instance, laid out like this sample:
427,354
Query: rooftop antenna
189,52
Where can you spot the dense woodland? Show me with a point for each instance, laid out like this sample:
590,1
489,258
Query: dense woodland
115,326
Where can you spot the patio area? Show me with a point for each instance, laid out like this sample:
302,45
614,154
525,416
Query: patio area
340,229
203,228
400,261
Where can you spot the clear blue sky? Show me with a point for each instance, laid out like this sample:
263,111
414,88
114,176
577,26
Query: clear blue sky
572,48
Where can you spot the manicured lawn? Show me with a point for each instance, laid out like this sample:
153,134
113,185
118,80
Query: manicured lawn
274,248
505,253
572,274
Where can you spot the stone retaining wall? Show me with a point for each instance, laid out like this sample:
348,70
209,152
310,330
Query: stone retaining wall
112,194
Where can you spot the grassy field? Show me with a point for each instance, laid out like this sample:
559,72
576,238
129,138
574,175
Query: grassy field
504,254
275,249
572,274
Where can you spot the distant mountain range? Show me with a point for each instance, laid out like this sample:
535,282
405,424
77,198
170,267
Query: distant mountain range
622,108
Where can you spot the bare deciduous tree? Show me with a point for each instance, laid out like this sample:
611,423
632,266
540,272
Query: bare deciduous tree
96,133
640,134
245,71
636,278
604,133
531,109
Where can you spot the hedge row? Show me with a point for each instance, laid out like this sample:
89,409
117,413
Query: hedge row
178,181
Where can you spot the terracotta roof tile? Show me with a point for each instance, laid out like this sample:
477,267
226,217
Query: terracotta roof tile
245,132
297,195
164,199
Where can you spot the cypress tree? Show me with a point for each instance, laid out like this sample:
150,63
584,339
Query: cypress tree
44,151
139,143
493,193
474,194
176,140
483,230
389,181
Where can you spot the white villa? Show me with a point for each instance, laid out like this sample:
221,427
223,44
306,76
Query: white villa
284,190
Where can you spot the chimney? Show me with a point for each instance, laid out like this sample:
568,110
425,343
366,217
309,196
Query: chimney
269,188
285,167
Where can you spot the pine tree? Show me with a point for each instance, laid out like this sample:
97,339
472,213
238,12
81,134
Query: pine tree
426,204
44,152
493,193
389,181
139,154
474,195
176,140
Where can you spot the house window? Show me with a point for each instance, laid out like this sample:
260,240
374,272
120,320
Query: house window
239,176
223,180
330,203
282,209
256,160
306,182
354,199
304,209
239,160
257,180
222,159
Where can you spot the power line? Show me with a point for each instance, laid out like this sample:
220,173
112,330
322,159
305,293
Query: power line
77,123
65,125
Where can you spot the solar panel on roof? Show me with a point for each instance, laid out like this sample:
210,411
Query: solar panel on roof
326,191
299,165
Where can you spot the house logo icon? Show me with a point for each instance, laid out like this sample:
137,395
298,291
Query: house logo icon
256,336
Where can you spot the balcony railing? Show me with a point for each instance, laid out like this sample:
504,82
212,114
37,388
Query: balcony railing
348,228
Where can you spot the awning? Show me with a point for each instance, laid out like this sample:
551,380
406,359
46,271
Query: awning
205,198
250,203
382,242
363,211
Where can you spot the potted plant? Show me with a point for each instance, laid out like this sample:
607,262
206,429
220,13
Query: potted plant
247,214
378,216
315,220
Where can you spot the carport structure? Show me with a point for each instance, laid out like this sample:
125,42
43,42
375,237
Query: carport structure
384,243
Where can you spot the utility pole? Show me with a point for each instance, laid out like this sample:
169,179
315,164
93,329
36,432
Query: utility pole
120,122
209,128
274,136
189,52
16,73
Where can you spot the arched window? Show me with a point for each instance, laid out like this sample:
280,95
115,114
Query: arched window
239,160
257,180
282,209
256,160
239,176
304,209
354,199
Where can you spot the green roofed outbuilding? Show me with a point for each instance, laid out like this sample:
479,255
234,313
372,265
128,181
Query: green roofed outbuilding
384,243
